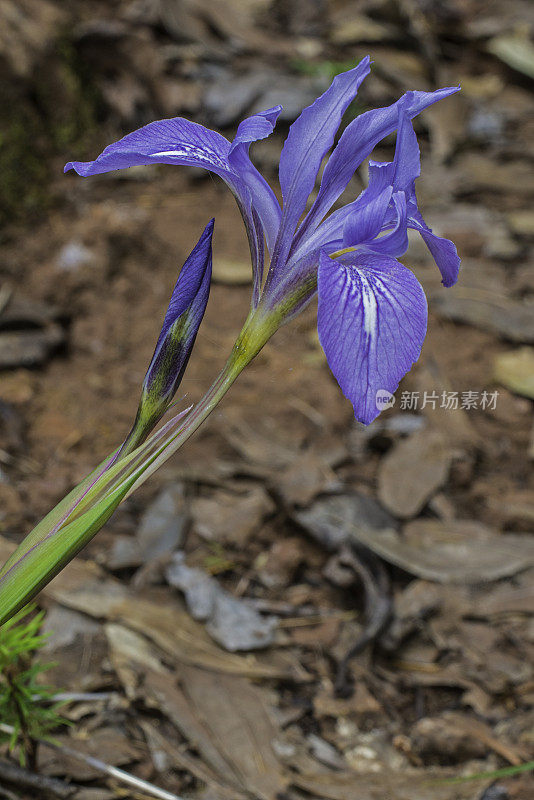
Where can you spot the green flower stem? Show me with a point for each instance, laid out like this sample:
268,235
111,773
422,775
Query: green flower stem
77,518
257,330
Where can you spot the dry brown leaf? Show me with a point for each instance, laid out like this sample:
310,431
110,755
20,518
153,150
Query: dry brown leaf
132,654
184,760
412,472
226,718
492,312
82,586
230,516
258,447
456,427
419,785
108,744
515,370
458,551
307,476
506,598
237,716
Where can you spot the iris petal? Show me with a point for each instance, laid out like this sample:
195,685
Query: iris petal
407,160
252,129
256,127
166,141
309,139
366,223
372,322
395,243
357,142
181,142
443,250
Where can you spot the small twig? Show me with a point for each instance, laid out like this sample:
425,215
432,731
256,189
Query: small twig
106,769
81,697
25,779
378,608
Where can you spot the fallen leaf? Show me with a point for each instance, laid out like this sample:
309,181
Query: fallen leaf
160,531
506,599
228,720
82,586
233,517
334,520
240,724
515,370
412,471
165,754
77,648
258,447
231,621
163,523
457,427
405,785
459,551
108,744
515,50
416,603
307,476
513,321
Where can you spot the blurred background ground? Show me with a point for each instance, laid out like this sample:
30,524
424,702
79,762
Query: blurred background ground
216,609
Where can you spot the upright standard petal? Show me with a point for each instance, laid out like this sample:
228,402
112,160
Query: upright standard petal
402,213
309,139
407,159
372,322
256,127
356,143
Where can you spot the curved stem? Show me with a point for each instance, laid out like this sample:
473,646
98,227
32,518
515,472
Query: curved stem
257,330
175,439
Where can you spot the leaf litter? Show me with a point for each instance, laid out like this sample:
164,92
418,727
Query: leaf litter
291,526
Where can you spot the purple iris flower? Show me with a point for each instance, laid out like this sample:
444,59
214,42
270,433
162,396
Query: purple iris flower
372,311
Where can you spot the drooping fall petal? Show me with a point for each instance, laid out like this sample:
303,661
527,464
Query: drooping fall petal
372,322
